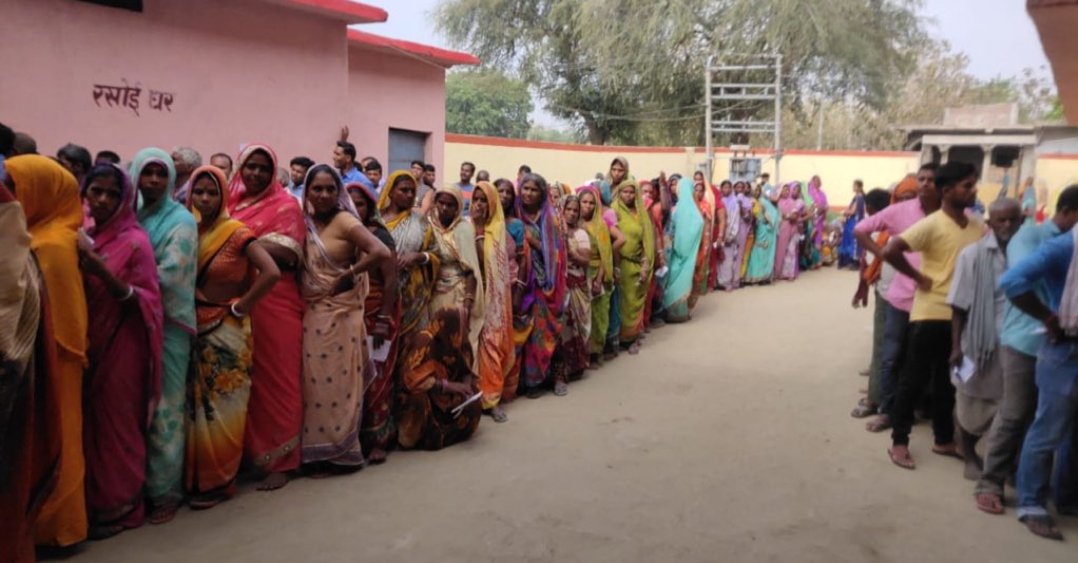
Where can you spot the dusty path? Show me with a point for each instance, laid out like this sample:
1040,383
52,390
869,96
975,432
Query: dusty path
726,439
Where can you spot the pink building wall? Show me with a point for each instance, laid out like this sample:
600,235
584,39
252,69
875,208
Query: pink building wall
395,91
238,70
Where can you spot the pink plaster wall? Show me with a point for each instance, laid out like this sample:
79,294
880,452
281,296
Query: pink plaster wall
240,70
395,91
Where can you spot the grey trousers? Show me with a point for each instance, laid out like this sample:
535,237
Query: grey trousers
1016,410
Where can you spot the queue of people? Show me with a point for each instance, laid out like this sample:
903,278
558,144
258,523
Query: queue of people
974,329
168,328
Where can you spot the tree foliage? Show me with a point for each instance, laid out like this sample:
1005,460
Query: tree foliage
487,102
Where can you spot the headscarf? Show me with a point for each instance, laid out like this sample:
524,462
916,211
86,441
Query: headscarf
495,261
639,213
237,189
367,191
274,215
391,184
49,196
553,246
599,232
459,239
908,185
212,237
688,233
160,208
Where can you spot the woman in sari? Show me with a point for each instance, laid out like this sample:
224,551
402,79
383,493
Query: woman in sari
658,209
702,196
791,212
849,252
49,196
458,286
816,208
340,250
30,437
750,210
571,356
637,262
417,263
518,268
123,379
690,250
220,380
543,293
496,252
718,233
761,266
604,244
731,258
275,409
378,431
174,236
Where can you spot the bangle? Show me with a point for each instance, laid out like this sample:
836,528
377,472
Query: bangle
236,313
426,257
130,293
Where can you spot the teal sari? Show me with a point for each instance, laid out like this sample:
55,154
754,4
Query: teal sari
762,260
173,234
688,227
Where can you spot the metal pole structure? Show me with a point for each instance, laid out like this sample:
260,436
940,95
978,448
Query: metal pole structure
778,118
708,148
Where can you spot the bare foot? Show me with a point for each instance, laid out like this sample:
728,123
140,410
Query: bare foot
498,414
273,481
990,503
900,456
163,514
634,348
377,456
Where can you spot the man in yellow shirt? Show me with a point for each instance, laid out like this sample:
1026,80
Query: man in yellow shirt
940,237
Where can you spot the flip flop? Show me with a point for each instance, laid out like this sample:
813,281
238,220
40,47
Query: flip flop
951,451
1043,526
989,503
879,424
903,463
863,409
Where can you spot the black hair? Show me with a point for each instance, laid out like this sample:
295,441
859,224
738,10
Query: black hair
302,161
106,156
929,166
78,155
483,174
1068,199
348,149
878,199
419,163
429,168
498,183
228,158
950,174
100,170
373,165
7,140
524,169
858,182
320,168
466,163
539,181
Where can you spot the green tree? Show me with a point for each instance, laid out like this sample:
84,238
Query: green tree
487,102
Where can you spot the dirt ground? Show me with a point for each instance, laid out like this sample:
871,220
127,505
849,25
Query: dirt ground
726,439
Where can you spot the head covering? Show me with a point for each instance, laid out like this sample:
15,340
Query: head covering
638,213
344,200
688,233
552,243
908,185
238,190
212,237
436,220
599,232
49,196
144,158
391,184
123,218
368,193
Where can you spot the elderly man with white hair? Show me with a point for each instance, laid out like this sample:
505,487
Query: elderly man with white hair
187,160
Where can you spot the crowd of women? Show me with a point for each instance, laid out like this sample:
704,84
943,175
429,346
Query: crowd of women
153,349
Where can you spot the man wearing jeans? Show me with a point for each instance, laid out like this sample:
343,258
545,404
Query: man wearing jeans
1020,340
939,237
899,216
1056,374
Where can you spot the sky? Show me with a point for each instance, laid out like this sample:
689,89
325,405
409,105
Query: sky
997,35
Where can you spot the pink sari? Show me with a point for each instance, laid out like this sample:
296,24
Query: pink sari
275,409
786,255
123,381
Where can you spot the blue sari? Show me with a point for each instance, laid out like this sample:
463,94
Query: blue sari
173,234
688,227
762,259
849,252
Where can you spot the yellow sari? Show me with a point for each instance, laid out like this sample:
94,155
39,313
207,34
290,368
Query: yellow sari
495,351
637,261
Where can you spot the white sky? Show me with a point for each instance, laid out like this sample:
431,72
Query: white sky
997,35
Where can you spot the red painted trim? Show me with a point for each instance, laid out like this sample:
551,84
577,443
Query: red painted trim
525,143
434,54
352,12
1058,157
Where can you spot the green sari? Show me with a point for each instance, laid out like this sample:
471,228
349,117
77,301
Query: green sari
637,261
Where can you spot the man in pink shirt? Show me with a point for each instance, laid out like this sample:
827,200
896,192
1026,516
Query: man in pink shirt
895,220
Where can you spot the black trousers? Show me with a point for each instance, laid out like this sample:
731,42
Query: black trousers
928,350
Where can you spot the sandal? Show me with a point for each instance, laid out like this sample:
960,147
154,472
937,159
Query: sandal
864,409
561,389
879,424
1042,525
947,450
905,462
990,503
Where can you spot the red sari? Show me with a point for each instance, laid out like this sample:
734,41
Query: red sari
655,291
123,380
716,235
275,409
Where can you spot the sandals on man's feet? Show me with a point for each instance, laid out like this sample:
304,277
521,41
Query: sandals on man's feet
1043,526
989,503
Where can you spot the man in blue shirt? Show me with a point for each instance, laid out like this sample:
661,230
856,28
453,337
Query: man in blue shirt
467,172
1035,286
298,168
344,158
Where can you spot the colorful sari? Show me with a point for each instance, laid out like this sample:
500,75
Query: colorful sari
334,346
687,253
761,265
787,256
220,381
544,288
495,350
124,378
30,433
427,417
49,196
653,308
275,410
729,268
849,252
411,233
571,355
637,263
174,236
814,225
602,260
457,260
521,323
702,274
749,228
718,235
377,430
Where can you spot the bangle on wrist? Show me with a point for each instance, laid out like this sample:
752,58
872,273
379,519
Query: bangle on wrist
236,313
130,293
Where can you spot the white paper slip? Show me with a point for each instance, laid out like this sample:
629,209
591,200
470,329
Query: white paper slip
966,370
381,353
460,408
